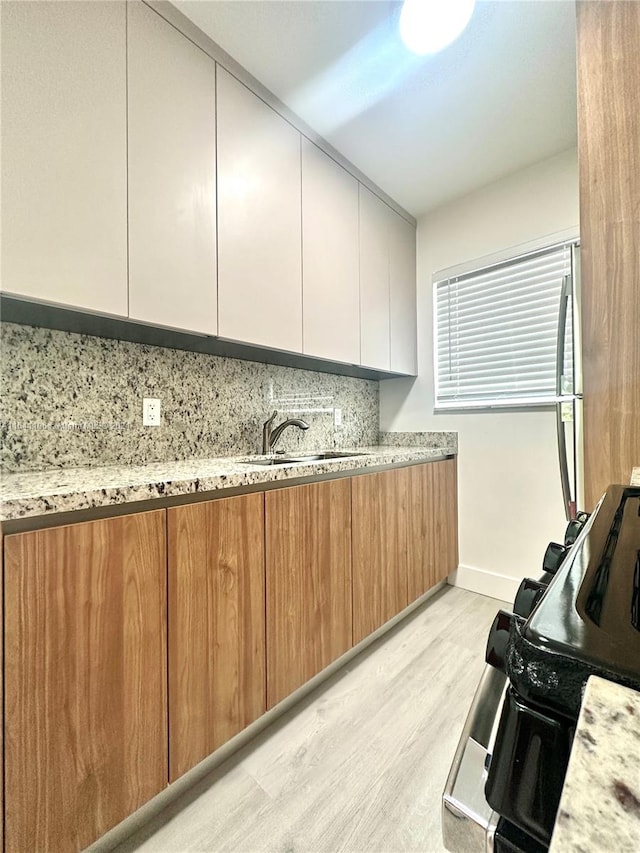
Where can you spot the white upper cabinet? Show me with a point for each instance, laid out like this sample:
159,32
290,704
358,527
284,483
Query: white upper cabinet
330,285
374,281
402,287
141,179
64,170
172,176
259,227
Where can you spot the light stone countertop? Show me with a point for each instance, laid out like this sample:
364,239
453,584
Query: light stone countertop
38,493
635,477
599,809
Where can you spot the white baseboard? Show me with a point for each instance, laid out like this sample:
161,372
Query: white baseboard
488,583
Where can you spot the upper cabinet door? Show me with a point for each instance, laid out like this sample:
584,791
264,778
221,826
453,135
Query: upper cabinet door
64,170
374,281
259,228
172,176
402,287
330,283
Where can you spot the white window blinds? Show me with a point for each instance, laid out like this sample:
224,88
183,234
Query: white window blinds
496,332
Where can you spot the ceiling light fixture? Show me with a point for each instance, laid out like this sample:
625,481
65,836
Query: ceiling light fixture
427,26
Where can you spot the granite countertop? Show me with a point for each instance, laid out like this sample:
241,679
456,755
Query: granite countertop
37,493
600,804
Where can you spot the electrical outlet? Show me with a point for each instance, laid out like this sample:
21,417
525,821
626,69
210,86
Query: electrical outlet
337,418
150,411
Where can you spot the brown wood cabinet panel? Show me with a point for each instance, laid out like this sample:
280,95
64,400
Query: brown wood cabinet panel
405,539
609,157
421,521
216,625
308,534
432,525
85,678
2,691
443,550
380,545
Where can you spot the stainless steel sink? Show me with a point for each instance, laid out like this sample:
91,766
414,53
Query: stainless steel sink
288,459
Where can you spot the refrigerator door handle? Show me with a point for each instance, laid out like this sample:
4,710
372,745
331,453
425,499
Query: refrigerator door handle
569,504
562,331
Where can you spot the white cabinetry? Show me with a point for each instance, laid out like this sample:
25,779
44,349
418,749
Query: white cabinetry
387,287
402,293
259,228
172,176
140,179
330,286
374,281
64,170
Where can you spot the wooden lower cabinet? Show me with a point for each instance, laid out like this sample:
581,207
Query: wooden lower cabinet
379,513
2,692
216,625
308,536
432,525
262,592
405,539
85,679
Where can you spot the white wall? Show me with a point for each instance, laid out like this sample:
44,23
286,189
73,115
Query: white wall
510,501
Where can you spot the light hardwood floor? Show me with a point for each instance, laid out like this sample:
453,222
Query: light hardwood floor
359,764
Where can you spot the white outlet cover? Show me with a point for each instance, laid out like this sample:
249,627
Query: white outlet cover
150,411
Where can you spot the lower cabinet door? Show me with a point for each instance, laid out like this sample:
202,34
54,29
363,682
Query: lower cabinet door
433,525
443,552
380,542
405,539
308,535
2,694
85,679
216,625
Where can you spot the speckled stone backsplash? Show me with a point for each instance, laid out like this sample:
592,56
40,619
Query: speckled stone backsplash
71,400
434,440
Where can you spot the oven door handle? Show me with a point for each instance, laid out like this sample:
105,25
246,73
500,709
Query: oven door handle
465,811
487,702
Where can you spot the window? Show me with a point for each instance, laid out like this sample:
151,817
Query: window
496,331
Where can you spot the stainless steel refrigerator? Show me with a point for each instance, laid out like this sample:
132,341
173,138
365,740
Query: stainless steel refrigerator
569,419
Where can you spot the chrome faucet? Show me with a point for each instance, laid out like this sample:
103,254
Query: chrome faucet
270,436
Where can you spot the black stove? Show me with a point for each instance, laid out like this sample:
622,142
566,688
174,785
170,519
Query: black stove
580,618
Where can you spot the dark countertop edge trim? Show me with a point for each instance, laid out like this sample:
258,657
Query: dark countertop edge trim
76,516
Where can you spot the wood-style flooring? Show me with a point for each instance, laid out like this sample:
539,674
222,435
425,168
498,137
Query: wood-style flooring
357,766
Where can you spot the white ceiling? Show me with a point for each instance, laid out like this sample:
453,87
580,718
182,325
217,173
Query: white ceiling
426,130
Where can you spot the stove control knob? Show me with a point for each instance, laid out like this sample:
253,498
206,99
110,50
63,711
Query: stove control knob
498,640
553,557
529,594
574,527
572,532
